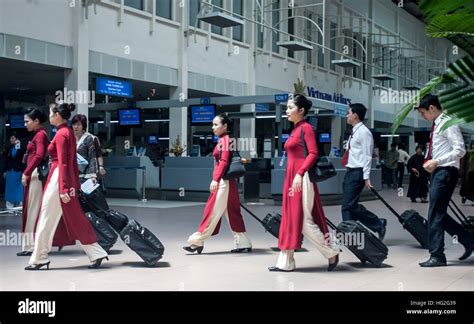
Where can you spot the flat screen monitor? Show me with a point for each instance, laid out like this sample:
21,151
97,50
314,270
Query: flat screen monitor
325,137
202,114
113,87
152,139
17,121
129,117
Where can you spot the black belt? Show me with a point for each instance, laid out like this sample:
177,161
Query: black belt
354,169
447,168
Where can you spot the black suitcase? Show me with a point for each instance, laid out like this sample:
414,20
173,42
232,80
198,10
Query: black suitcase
271,222
467,222
411,220
116,219
373,250
142,242
106,236
95,202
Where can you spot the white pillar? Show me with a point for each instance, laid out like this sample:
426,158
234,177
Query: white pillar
179,115
77,79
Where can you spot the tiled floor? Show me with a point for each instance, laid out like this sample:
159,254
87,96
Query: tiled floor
217,269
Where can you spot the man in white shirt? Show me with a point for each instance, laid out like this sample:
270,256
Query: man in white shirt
402,160
445,150
358,161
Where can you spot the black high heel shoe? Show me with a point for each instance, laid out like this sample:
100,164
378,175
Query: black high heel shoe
97,263
38,266
333,265
24,253
241,250
192,250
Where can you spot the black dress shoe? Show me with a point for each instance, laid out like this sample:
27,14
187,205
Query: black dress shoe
383,229
433,262
241,250
466,254
24,253
333,265
38,266
279,270
192,250
97,263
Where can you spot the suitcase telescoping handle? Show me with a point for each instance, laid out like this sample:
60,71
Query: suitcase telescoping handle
251,214
331,224
385,202
463,217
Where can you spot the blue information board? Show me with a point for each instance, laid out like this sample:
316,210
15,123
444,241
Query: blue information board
17,121
285,137
261,107
283,97
114,87
325,137
129,117
203,113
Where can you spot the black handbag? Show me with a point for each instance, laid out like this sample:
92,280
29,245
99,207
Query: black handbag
236,168
322,169
43,170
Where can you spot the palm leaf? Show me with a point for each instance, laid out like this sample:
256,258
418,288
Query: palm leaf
432,9
448,25
457,101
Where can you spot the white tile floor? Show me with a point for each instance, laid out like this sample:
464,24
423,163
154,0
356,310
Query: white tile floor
217,269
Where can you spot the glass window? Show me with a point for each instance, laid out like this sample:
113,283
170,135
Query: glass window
275,20
260,31
163,8
332,45
217,29
308,36
237,33
320,49
137,4
291,30
194,7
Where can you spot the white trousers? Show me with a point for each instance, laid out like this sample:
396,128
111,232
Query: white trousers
311,231
35,190
241,240
50,215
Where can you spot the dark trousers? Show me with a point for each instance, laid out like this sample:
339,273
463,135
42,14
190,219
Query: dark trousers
401,173
443,182
351,209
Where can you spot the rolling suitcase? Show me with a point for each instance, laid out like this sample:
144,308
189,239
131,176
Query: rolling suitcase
413,222
466,222
106,236
361,242
271,222
95,202
142,242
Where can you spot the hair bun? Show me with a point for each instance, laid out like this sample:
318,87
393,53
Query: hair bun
71,107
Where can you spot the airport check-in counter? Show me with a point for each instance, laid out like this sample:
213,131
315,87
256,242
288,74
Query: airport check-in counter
331,186
189,173
126,172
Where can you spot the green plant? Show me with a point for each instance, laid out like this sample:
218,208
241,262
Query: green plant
453,19
177,148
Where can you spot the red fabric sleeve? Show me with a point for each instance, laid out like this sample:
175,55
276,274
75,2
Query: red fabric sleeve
311,146
40,141
62,146
224,160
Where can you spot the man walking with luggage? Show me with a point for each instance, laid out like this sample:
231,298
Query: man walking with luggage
358,160
445,150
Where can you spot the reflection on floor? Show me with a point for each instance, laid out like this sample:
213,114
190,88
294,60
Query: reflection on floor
217,269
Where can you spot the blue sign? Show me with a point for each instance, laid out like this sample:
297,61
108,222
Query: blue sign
340,110
152,139
129,117
285,137
283,97
215,138
325,137
203,113
17,121
113,87
205,101
261,107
